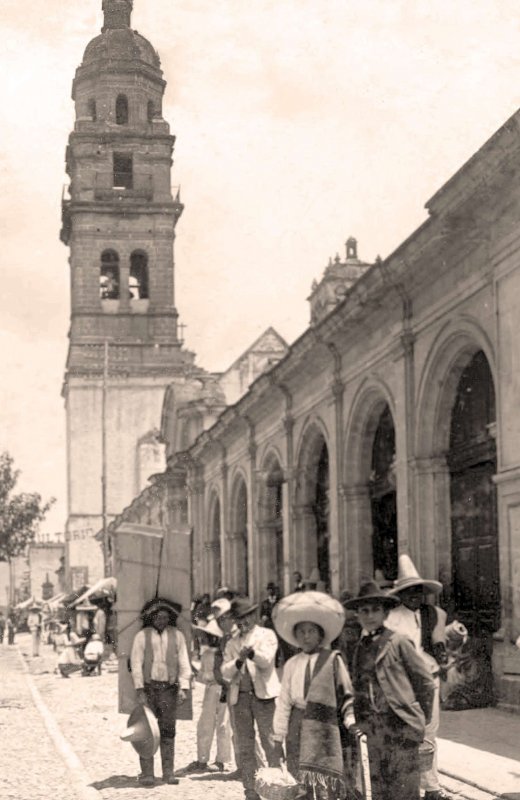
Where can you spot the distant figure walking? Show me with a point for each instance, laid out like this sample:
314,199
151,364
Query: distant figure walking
2,627
11,628
34,623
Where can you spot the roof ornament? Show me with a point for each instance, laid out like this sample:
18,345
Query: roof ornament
351,245
117,14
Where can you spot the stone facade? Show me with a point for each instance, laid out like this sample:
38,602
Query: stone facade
391,426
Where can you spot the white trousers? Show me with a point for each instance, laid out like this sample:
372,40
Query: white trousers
214,716
430,779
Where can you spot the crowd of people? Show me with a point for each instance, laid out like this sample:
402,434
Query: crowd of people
298,681
79,635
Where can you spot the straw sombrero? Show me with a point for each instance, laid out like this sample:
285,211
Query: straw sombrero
407,576
142,731
317,607
209,626
219,607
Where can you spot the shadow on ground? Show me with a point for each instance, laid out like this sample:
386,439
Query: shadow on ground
116,782
215,777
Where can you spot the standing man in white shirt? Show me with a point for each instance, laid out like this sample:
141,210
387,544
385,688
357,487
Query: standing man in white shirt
161,673
424,625
249,667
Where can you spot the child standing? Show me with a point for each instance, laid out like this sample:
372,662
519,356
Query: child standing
214,714
393,697
315,691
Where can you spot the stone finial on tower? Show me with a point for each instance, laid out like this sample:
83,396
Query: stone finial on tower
117,14
351,245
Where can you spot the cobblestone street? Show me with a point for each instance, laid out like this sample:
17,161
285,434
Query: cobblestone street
60,739
85,710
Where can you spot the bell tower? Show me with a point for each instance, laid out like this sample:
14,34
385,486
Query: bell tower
119,215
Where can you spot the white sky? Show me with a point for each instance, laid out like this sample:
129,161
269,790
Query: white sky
298,123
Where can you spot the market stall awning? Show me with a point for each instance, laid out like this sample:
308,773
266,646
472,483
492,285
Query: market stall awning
72,598
29,602
56,601
105,586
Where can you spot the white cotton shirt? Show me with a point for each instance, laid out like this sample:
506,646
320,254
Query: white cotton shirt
291,692
408,623
159,650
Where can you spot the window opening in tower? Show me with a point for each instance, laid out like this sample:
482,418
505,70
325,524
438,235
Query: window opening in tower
121,110
109,276
123,171
138,282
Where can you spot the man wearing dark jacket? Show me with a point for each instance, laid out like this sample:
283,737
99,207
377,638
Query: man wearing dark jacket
393,696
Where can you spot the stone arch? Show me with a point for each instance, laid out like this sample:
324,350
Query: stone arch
451,351
370,498
212,543
366,409
237,540
311,510
457,460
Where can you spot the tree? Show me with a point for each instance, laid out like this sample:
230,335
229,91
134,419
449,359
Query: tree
20,514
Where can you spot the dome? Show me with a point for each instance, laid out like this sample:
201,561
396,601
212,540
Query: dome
117,44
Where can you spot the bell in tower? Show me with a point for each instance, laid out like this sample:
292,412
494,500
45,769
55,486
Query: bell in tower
119,217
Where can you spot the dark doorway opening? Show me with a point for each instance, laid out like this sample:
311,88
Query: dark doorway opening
383,499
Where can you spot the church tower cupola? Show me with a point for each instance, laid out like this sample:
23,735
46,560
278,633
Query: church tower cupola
339,276
117,14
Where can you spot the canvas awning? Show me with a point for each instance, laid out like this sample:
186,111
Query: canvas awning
29,602
105,586
56,601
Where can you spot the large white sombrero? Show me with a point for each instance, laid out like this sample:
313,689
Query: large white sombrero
317,607
407,576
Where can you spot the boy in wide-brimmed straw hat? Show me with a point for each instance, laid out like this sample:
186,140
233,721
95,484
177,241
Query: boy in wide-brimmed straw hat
249,668
424,624
161,673
393,697
316,689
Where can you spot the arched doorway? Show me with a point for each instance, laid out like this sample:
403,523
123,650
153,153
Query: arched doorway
383,499
239,545
313,503
472,464
271,522
214,556
321,514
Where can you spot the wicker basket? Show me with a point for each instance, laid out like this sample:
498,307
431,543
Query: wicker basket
426,752
273,787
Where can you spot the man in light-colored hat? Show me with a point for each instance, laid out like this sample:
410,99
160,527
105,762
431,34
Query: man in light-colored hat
161,673
34,623
249,668
424,624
